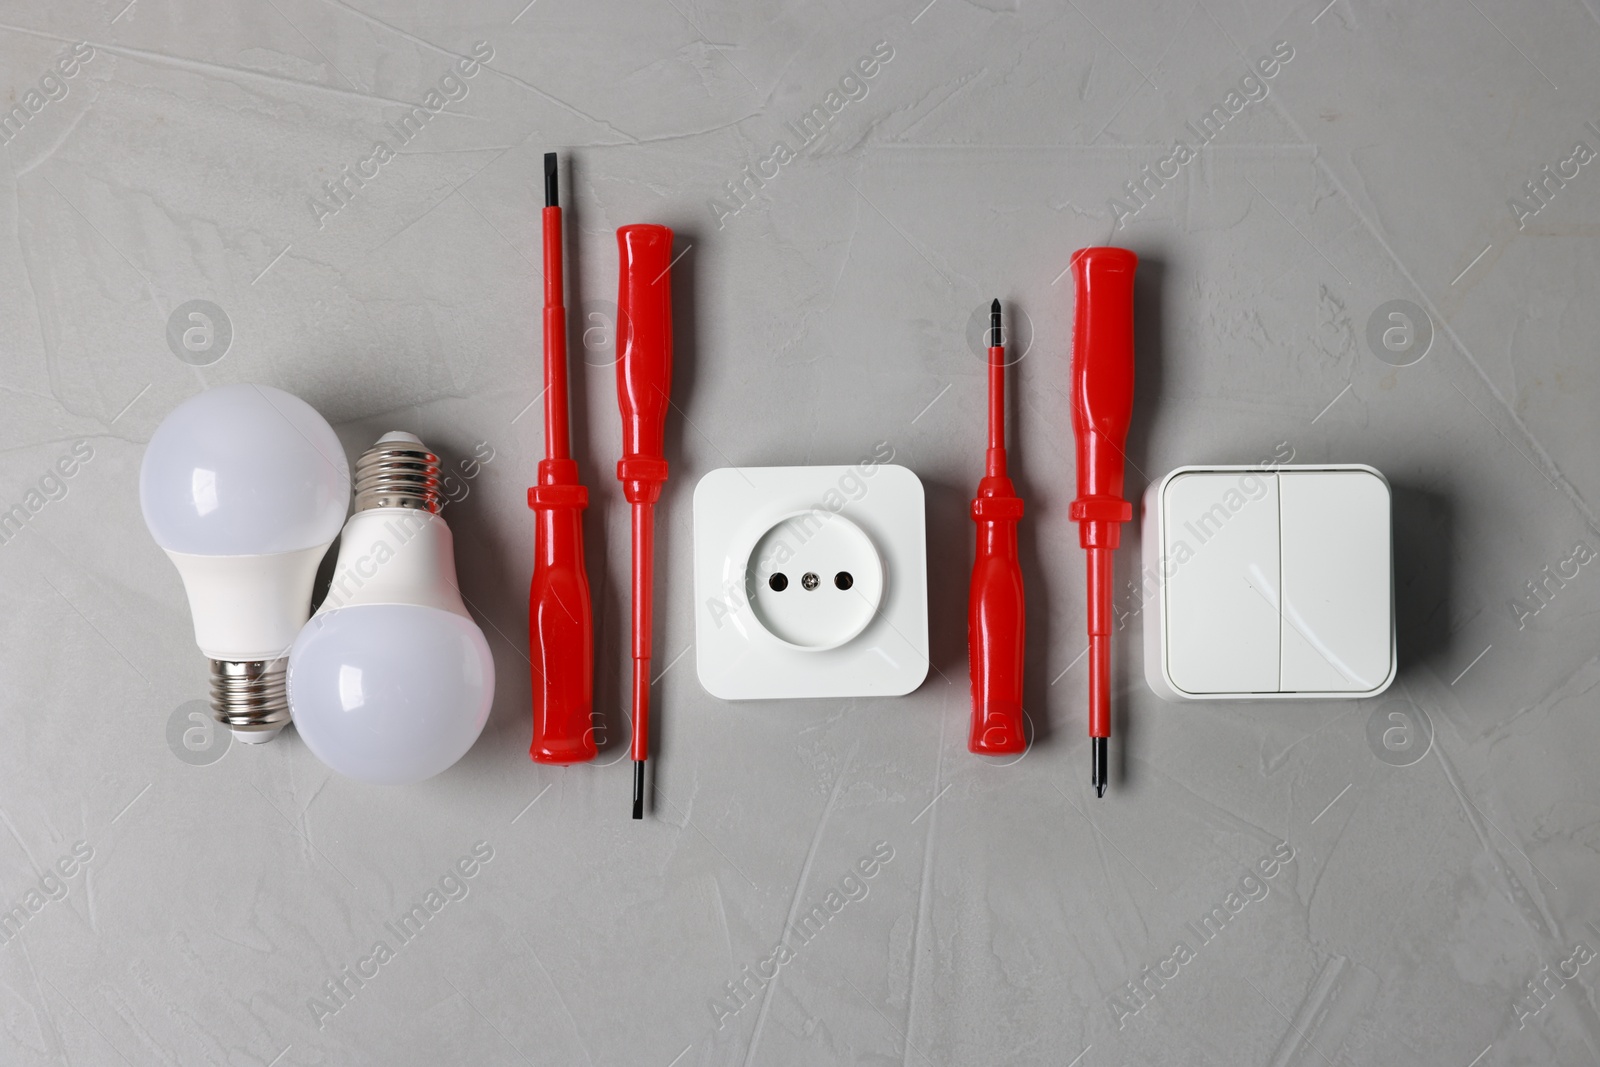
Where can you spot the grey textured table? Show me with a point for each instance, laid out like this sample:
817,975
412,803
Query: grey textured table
1412,879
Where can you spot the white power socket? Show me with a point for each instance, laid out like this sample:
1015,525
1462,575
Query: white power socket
810,582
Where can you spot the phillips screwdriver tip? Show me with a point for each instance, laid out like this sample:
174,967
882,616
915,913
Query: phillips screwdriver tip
1097,775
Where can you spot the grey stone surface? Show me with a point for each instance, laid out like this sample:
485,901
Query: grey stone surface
1444,869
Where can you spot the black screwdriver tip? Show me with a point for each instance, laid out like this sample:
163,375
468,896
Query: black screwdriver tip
638,789
996,337
551,199
1097,776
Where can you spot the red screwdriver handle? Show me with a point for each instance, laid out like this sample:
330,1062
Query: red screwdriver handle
644,364
1102,406
996,627
560,619
1102,387
995,624
644,384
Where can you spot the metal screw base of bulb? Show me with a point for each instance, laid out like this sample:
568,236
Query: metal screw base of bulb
251,697
398,472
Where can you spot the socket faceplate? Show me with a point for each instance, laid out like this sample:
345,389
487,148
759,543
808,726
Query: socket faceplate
810,582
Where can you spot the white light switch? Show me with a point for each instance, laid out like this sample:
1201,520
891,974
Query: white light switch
1268,585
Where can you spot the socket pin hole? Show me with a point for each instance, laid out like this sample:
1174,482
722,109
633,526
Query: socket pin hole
778,582
843,580
810,580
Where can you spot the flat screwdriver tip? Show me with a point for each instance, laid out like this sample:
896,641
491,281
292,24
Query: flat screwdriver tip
551,197
638,789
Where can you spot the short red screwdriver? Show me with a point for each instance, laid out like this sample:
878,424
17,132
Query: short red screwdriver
560,621
995,623
644,384
1102,406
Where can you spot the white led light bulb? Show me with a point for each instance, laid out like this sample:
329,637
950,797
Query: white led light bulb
245,487
391,680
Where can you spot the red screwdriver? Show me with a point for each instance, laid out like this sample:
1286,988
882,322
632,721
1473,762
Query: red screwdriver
560,623
995,625
1102,405
644,383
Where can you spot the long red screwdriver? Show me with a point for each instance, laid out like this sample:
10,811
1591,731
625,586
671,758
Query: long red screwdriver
1102,405
644,384
995,623
560,621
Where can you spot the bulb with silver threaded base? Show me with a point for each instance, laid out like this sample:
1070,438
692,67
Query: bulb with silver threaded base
391,680
245,487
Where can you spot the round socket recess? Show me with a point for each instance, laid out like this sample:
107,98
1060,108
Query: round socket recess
831,580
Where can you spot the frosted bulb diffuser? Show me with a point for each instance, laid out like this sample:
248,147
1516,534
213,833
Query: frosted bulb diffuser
390,693
244,470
